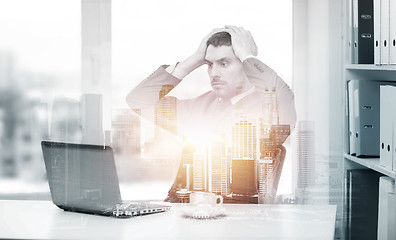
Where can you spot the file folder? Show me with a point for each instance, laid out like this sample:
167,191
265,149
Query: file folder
355,33
385,217
349,33
391,216
364,117
363,31
385,31
346,120
392,31
377,32
362,187
387,94
366,100
351,118
393,146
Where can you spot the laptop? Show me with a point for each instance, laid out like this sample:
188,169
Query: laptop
83,178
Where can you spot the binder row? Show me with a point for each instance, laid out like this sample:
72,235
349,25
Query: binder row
372,121
372,32
385,27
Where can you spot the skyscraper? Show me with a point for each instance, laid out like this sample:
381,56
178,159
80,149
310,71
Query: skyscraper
126,132
265,177
272,135
219,167
165,113
125,139
199,171
161,150
271,161
270,114
244,156
91,106
65,120
305,162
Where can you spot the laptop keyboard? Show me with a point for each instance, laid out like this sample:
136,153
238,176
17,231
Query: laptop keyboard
132,209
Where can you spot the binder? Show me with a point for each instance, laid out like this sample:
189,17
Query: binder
349,33
362,204
393,131
351,118
392,31
385,217
384,31
386,125
366,100
355,33
391,216
363,28
346,120
377,32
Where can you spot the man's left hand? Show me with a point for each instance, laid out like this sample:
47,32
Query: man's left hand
242,42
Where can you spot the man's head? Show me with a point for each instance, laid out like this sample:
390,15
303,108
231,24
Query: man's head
224,68
220,39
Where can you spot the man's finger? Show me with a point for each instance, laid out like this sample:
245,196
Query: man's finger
232,28
217,30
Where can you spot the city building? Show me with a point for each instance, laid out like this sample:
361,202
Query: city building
126,139
199,176
165,113
219,167
65,120
305,161
91,106
34,129
244,157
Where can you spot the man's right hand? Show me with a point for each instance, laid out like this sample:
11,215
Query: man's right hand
201,51
197,59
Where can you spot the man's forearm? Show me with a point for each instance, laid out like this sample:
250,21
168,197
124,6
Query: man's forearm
266,79
146,93
185,67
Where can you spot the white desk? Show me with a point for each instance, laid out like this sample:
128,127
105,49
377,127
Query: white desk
43,220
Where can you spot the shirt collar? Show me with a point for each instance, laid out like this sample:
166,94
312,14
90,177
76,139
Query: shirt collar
239,97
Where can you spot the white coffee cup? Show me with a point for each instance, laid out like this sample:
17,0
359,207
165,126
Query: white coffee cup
205,198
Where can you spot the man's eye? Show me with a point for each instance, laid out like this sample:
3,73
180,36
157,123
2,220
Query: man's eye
224,64
209,64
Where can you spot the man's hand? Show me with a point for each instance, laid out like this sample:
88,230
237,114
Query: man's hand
197,59
242,42
201,51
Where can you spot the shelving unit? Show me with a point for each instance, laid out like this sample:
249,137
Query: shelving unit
371,163
360,72
370,67
370,72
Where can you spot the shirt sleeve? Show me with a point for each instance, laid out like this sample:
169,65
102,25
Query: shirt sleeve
265,79
147,93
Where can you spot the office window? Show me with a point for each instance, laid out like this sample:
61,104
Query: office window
148,34
41,80
40,65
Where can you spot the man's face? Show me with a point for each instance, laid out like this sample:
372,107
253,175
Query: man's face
225,71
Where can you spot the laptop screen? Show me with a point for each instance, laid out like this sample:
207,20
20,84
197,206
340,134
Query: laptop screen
81,176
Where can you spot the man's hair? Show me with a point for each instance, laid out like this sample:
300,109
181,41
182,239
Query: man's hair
220,39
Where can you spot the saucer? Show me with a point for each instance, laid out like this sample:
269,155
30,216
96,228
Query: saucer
203,212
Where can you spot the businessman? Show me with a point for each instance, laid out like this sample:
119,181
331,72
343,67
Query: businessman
240,83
